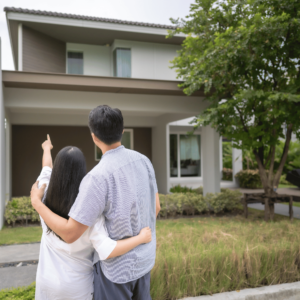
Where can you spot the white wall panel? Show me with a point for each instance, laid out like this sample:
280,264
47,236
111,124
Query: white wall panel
150,60
96,59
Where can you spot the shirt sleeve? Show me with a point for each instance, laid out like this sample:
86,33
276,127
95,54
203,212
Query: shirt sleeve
44,178
100,239
90,202
152,174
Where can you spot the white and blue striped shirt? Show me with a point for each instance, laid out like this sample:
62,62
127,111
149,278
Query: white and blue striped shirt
123,188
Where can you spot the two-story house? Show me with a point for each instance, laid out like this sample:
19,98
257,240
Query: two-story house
65,65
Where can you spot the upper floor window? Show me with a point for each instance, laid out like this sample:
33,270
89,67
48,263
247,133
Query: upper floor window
75,63
122,62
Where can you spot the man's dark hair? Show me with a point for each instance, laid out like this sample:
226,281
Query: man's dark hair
68,171
106,124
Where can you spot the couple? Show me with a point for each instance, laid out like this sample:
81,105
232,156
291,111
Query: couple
98,237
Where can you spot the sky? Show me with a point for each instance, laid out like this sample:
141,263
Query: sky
149,11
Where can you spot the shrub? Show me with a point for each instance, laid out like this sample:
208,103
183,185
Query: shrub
20,209
283,180
181,189
21,293
227,174
249,179
194,203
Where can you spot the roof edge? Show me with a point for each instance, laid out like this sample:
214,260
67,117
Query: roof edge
87,18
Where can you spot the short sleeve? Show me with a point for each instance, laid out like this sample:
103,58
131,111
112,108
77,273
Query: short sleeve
44,178
152,174
90,202
100,239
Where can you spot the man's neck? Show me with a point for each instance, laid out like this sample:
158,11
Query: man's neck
104,148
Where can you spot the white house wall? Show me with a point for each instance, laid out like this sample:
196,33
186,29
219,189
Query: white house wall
96,59
71,102
150,60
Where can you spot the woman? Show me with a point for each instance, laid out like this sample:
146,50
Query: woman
65,271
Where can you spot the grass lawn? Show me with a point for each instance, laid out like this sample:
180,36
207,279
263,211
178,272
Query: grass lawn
286,186
19,235
205,255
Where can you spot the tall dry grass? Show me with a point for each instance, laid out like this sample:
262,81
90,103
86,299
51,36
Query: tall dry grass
203,256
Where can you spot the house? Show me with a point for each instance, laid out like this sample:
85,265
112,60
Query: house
65,65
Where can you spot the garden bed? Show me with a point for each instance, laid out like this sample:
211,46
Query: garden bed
205,255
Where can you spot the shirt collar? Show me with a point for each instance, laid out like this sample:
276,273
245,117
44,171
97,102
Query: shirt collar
113,150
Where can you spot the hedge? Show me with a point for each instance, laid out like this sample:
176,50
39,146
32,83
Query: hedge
20,209
195,203
189,202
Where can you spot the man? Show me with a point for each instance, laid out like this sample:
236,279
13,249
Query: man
122,187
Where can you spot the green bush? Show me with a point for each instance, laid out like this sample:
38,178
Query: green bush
20,209
227,154
194,203
181,189
227,174
249,179
21,293
283,180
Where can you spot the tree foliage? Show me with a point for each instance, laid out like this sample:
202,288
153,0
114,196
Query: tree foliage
245,55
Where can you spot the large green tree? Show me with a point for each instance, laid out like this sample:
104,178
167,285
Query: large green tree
246,57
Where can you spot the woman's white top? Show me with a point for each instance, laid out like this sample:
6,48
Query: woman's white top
65,271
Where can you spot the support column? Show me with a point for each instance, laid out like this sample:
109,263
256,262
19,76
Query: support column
160,148
211,160
237,163
2,149
20,47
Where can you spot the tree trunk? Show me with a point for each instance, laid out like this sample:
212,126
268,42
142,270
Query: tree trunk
267,210
271,206
284,154
266,185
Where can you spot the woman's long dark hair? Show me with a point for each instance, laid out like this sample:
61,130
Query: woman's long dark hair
68,170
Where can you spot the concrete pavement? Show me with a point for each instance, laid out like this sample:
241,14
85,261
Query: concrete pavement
13,276
279,209
17,276
17,253
286,291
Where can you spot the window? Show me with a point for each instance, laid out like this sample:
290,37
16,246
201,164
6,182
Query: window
173,155
127,142
187,150
75,63
122,62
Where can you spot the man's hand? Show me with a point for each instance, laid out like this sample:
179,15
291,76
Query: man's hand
37,194
47,144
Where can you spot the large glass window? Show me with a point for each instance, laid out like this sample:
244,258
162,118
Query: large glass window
173,156
122,62
75,63
190,156
127,142
187,150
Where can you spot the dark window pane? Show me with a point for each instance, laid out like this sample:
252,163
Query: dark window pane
173,156
75,63
190,156
126,139
122,62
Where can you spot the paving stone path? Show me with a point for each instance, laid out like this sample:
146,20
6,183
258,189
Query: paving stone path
18,265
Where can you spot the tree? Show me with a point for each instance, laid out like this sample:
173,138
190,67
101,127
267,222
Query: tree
246,57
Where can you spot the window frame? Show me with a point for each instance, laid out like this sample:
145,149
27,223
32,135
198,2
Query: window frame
178,133
67,65
114,62
130,130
